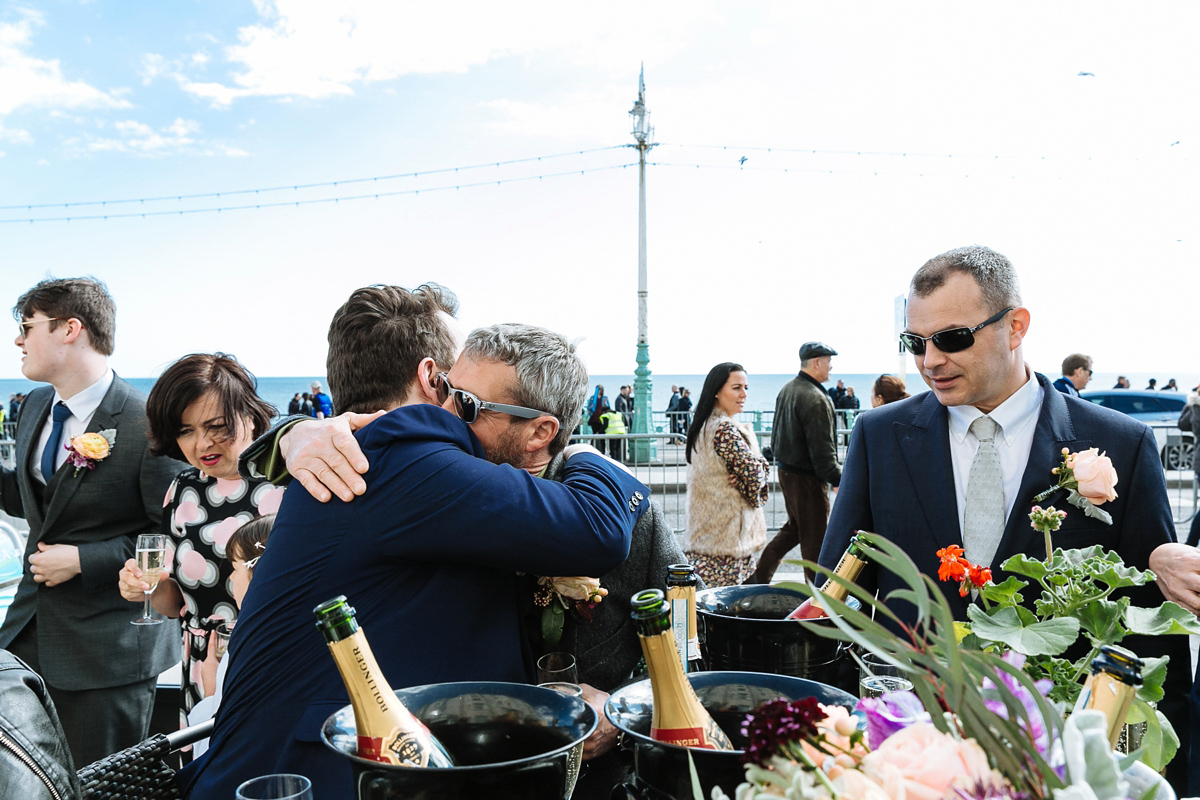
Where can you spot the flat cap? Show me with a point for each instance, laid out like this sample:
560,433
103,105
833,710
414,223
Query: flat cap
815,350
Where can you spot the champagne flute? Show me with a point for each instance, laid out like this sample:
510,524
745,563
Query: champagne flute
557,668
575,756
151,554
276,787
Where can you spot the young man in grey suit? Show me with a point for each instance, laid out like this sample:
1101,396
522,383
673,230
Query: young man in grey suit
68,621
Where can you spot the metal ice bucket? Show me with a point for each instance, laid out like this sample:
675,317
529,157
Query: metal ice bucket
509,741
661,771
744,629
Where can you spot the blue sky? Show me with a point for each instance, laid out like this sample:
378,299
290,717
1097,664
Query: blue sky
933,125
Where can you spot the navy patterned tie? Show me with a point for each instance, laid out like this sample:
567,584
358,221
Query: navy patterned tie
983,520
60,413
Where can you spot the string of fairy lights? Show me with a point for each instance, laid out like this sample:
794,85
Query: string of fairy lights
382,185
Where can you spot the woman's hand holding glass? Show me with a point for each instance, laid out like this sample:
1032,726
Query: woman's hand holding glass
166,599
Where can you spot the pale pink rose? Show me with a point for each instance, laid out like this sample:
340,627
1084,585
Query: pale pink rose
927,760
853,785
1095,475
837,727
578,588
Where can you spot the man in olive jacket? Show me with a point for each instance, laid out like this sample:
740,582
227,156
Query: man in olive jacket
804,441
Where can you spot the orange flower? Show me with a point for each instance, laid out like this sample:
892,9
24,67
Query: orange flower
953,566
979,575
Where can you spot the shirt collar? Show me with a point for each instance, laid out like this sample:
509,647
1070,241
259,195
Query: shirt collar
84,404
1020,409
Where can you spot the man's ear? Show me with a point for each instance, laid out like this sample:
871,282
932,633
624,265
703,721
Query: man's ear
542,433
427,381
74,331
1018,327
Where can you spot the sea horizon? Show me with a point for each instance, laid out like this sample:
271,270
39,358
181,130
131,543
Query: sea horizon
761,395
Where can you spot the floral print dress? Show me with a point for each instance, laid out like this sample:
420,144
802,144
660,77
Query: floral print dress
200,514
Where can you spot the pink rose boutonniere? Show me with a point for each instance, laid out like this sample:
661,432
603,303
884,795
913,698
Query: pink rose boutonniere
557,595
87,449
1089,480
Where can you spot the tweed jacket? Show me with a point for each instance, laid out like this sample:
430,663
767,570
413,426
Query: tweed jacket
83,630
606,647
720,521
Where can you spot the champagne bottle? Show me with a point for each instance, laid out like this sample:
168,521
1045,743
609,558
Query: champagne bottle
681,594
849,566
1111,686
678,717
387,731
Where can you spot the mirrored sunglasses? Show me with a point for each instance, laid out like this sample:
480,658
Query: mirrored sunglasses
954,340
467,406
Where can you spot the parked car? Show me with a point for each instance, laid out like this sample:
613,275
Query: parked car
1160,410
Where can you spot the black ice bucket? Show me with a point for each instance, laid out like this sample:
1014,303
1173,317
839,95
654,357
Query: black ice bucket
661,771
509,741
744,628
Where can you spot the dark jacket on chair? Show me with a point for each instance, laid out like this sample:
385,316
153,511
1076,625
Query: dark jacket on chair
34,760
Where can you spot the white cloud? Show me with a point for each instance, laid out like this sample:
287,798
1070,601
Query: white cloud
316,49
138,138
26,81
15,135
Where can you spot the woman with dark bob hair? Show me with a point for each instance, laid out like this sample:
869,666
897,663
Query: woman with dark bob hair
204,410
727,482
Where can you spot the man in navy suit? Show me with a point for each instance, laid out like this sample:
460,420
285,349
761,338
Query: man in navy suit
1076,374
429,555
907,471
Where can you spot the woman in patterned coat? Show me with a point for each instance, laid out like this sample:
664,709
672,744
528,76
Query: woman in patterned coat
205,410
727,482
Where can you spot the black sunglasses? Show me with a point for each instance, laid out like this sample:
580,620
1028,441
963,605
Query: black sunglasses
468,406
954,340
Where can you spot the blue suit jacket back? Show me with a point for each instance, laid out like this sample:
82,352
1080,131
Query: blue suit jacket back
429,558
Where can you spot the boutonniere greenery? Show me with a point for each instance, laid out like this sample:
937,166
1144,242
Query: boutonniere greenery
1089,480
555,596
88,449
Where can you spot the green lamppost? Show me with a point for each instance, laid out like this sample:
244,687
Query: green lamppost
644,449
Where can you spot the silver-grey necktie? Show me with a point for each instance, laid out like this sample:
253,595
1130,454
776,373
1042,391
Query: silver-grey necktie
983,521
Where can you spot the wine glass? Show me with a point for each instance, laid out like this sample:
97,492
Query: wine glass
151,553
575,756
276,787
222,632
557,668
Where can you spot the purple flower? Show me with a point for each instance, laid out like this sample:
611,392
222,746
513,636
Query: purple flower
1036,727
777,724
890,713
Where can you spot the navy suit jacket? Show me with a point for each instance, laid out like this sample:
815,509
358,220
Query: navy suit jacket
898,481
428,557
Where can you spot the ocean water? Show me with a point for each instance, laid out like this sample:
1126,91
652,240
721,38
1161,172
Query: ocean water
760,397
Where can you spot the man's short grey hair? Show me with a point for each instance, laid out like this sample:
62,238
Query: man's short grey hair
993,273
550,375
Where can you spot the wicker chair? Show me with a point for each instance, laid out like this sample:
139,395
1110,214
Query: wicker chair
140,772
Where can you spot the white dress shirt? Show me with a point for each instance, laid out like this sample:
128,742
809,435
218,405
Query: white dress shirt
83,407
1017,417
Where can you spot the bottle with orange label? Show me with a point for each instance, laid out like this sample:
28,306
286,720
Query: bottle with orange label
678,717
849,567
387,731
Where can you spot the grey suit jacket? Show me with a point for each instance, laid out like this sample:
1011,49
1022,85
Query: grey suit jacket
85,639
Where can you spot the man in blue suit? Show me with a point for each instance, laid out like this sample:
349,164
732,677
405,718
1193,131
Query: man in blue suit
1076,374
429,555
909,466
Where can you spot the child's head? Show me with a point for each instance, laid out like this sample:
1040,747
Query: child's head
243,549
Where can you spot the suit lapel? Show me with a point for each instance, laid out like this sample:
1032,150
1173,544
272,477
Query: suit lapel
926,448
37,409
1054,431
65,482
